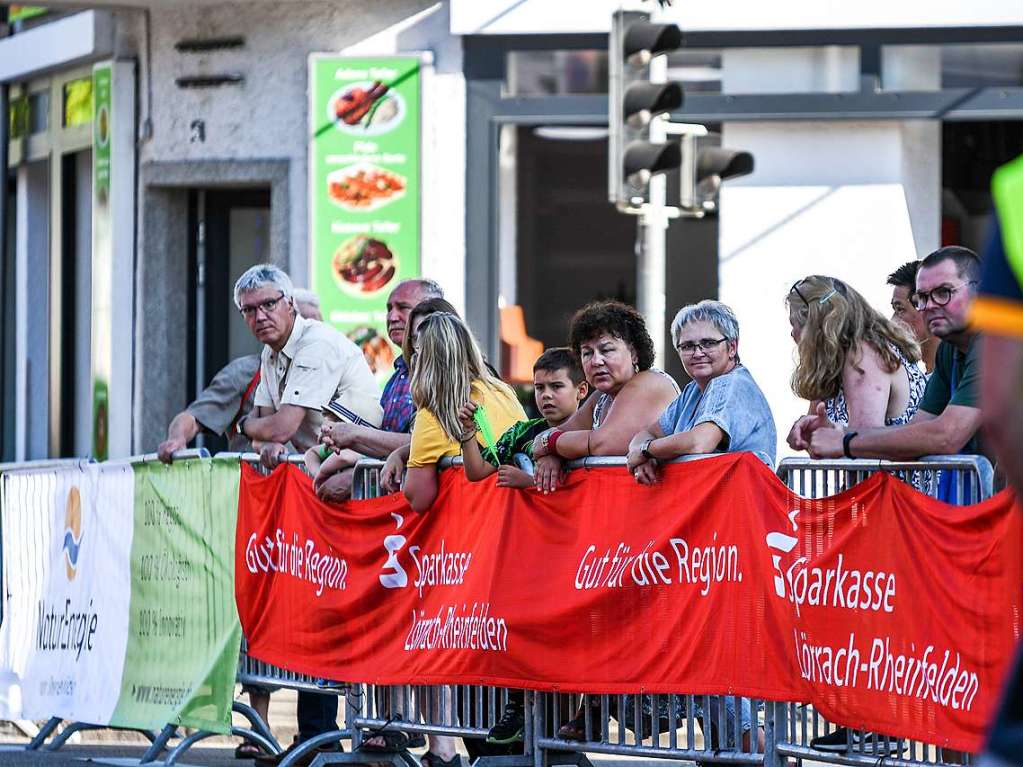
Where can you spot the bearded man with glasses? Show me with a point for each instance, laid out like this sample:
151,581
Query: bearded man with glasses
949,417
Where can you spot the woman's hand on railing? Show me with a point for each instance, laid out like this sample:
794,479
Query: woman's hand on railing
646,473
548,473
391,474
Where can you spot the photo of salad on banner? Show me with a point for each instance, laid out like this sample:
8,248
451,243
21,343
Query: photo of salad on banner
364,188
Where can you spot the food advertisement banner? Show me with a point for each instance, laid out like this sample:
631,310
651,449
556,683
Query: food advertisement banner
364,191
102,256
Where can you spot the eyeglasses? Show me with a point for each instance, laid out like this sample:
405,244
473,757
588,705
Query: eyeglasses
267,306
703,345
941,295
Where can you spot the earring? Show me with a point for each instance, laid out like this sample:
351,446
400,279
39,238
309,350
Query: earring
635,366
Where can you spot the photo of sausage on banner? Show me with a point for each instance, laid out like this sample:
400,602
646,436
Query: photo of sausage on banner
885,609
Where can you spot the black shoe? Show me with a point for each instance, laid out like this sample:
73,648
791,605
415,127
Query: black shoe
875,744
511,726
837,742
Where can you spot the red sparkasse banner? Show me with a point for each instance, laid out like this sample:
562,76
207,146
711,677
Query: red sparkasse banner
885,609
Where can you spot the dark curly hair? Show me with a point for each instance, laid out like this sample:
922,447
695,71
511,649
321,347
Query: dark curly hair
617,319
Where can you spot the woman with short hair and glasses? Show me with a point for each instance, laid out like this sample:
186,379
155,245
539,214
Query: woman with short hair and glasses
855,366
722,410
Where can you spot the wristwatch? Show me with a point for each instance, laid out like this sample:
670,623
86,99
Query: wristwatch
545,440
645,450
845,443
239,427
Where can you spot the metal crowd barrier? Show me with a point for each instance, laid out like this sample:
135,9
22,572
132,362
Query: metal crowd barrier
711,729
969,478
701,728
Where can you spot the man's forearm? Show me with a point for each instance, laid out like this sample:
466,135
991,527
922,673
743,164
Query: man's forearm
902,443
183,427
376,442
268,429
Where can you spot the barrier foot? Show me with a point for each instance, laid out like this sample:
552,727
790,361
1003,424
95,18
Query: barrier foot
44,733
159,743
195,737
26,727
507,760
398,759
68,731
320,740
552,757
256,722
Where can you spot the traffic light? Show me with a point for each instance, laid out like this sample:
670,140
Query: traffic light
635,100
705,165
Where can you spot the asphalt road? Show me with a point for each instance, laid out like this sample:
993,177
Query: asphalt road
111,754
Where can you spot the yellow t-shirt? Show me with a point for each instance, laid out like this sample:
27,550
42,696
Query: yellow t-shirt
430,443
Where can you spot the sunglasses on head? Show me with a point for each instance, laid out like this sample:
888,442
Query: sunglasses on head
836,287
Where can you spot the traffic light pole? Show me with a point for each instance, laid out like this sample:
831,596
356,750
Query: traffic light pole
651,265
651,239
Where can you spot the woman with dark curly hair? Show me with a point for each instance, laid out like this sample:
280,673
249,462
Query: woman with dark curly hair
616,353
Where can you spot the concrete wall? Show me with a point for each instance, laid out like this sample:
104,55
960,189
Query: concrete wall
266,117
261,127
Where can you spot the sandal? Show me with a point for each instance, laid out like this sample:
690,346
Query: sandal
430,759
394,741
247,750
573,729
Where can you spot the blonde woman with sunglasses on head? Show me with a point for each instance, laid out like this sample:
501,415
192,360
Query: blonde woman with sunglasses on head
856,367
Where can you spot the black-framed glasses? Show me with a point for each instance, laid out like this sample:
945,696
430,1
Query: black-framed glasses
703,345
249,311
941,295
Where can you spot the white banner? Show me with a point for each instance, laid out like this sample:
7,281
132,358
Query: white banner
65,611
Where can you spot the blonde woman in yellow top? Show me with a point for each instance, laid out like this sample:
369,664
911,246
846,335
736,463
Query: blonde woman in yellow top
448,371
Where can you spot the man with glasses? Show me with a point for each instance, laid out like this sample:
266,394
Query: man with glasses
304,365
949,417
229,397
